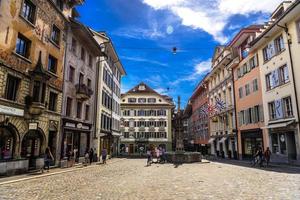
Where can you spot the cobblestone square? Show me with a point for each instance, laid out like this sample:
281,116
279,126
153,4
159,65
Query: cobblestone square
131,179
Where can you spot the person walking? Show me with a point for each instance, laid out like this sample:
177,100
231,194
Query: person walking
104,155
91,155
267,155
149,157
48,157
86,157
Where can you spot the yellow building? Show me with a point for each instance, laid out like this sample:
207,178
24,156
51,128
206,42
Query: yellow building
31,77
277,45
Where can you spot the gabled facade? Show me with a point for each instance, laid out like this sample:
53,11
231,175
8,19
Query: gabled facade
146,121
32,51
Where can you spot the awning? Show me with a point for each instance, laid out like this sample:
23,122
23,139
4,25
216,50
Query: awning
223,139
279,125
211,140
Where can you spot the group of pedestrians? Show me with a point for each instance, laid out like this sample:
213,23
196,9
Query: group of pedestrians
158,153
260,156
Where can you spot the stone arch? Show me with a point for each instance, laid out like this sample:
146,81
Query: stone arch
38,137
19,124
11,130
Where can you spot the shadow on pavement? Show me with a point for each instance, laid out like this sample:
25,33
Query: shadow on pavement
272,167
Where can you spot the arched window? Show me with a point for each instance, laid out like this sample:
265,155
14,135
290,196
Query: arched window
7,143
31,144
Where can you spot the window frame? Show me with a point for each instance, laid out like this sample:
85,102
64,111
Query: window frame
17,81
58,38
33,19
25,54
55,63
50,106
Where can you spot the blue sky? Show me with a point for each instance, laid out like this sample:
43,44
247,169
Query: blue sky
145,31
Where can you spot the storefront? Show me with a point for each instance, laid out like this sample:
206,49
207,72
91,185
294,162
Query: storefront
8,142
140,147
76,140
283,143
251,141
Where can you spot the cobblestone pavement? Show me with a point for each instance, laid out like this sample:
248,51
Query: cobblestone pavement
131,179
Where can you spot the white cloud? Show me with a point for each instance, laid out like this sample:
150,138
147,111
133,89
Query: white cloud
212,16
200,69
139,59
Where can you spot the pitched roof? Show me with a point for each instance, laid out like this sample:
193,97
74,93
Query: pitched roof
143,88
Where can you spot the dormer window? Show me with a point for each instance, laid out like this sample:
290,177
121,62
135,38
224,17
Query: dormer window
142,87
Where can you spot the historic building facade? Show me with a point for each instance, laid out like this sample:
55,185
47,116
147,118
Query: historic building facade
278,78
222,121
32,50
109,96
146,121
79,91
248,94
200,118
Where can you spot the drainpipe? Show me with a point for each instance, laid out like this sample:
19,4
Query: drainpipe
289,42
235,115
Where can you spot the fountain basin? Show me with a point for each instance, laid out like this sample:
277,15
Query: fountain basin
183,157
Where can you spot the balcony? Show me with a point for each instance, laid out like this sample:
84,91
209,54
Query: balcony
131,129
34,108
83,92
151,128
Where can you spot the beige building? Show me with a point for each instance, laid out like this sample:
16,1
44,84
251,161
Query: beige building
110,72
146,121
222,122
32,51
277,46
79,91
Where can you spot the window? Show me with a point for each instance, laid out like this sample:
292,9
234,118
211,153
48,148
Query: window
238,72
80,78
89,83
74,45
69,107
255,85
268,81
151,100
90,61
269,51
59,4
52,101
28,11
298,30
241,92
52,64
287,106
71,74
55,35
284,74
12,86
87,112
272,111
38,92
132,100
23,46
247,89
253,62
82,54
79,109
142,100
279,44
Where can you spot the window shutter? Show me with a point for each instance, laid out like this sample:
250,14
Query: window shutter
261,113
255,60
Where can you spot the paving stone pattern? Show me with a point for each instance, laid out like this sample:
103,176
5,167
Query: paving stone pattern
131,179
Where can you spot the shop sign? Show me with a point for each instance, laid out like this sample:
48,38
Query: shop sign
70,125
85,127
33,126
11,111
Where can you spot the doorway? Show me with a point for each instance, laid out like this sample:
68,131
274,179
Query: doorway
131,148
52,145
